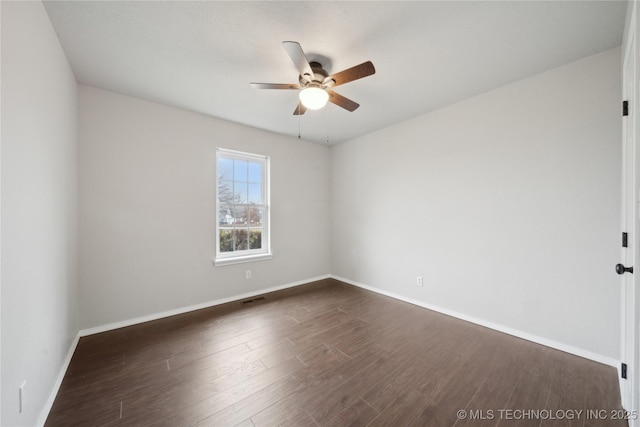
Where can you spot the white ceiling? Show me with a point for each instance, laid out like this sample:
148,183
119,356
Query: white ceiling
201,55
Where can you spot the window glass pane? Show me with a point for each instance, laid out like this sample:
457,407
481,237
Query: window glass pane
225,215
255,239
240,191
240,215
255,216
225,192
240,172
241,237
255,172
225,168
255,194
226,240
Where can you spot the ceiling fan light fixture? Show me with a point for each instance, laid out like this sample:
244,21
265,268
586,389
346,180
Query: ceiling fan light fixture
314,98
315,84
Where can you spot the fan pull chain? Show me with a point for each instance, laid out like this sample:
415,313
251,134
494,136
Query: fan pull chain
326,116
299,120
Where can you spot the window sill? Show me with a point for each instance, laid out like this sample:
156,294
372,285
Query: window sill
220,262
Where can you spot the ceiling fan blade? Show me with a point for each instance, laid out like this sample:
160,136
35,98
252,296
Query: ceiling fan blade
275,85
300,109
341,101
354,73
299,59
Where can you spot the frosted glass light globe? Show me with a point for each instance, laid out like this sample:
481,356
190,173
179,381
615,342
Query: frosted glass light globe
314,98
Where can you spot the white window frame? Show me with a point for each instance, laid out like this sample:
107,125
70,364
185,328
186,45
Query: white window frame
234,257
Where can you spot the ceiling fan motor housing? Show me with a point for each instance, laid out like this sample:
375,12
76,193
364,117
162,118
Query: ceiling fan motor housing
320,78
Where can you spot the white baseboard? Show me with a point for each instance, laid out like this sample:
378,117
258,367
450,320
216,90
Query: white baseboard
44,412
181,310
495,326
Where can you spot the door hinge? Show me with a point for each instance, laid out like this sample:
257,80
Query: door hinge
625,108
623,371
625,240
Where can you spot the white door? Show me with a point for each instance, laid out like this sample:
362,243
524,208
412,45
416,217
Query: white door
630,256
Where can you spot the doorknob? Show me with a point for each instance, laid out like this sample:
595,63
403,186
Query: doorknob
621,269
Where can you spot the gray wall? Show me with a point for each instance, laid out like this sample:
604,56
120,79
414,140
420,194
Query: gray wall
39,209
147,208
507,203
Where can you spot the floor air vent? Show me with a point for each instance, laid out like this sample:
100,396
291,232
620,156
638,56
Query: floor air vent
250,301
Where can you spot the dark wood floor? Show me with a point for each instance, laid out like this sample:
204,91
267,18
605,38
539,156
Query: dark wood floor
327,354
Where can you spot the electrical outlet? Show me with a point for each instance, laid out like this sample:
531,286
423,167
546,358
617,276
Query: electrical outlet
419,281
22,396
247,274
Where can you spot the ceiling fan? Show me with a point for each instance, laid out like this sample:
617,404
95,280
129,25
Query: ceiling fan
315,83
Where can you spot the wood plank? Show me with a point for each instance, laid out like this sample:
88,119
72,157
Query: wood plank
359,413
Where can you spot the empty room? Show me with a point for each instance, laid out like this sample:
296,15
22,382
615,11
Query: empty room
319,213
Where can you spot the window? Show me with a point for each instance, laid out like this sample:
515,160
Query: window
242,226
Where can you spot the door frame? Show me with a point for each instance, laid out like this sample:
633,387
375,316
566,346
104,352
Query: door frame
630,217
